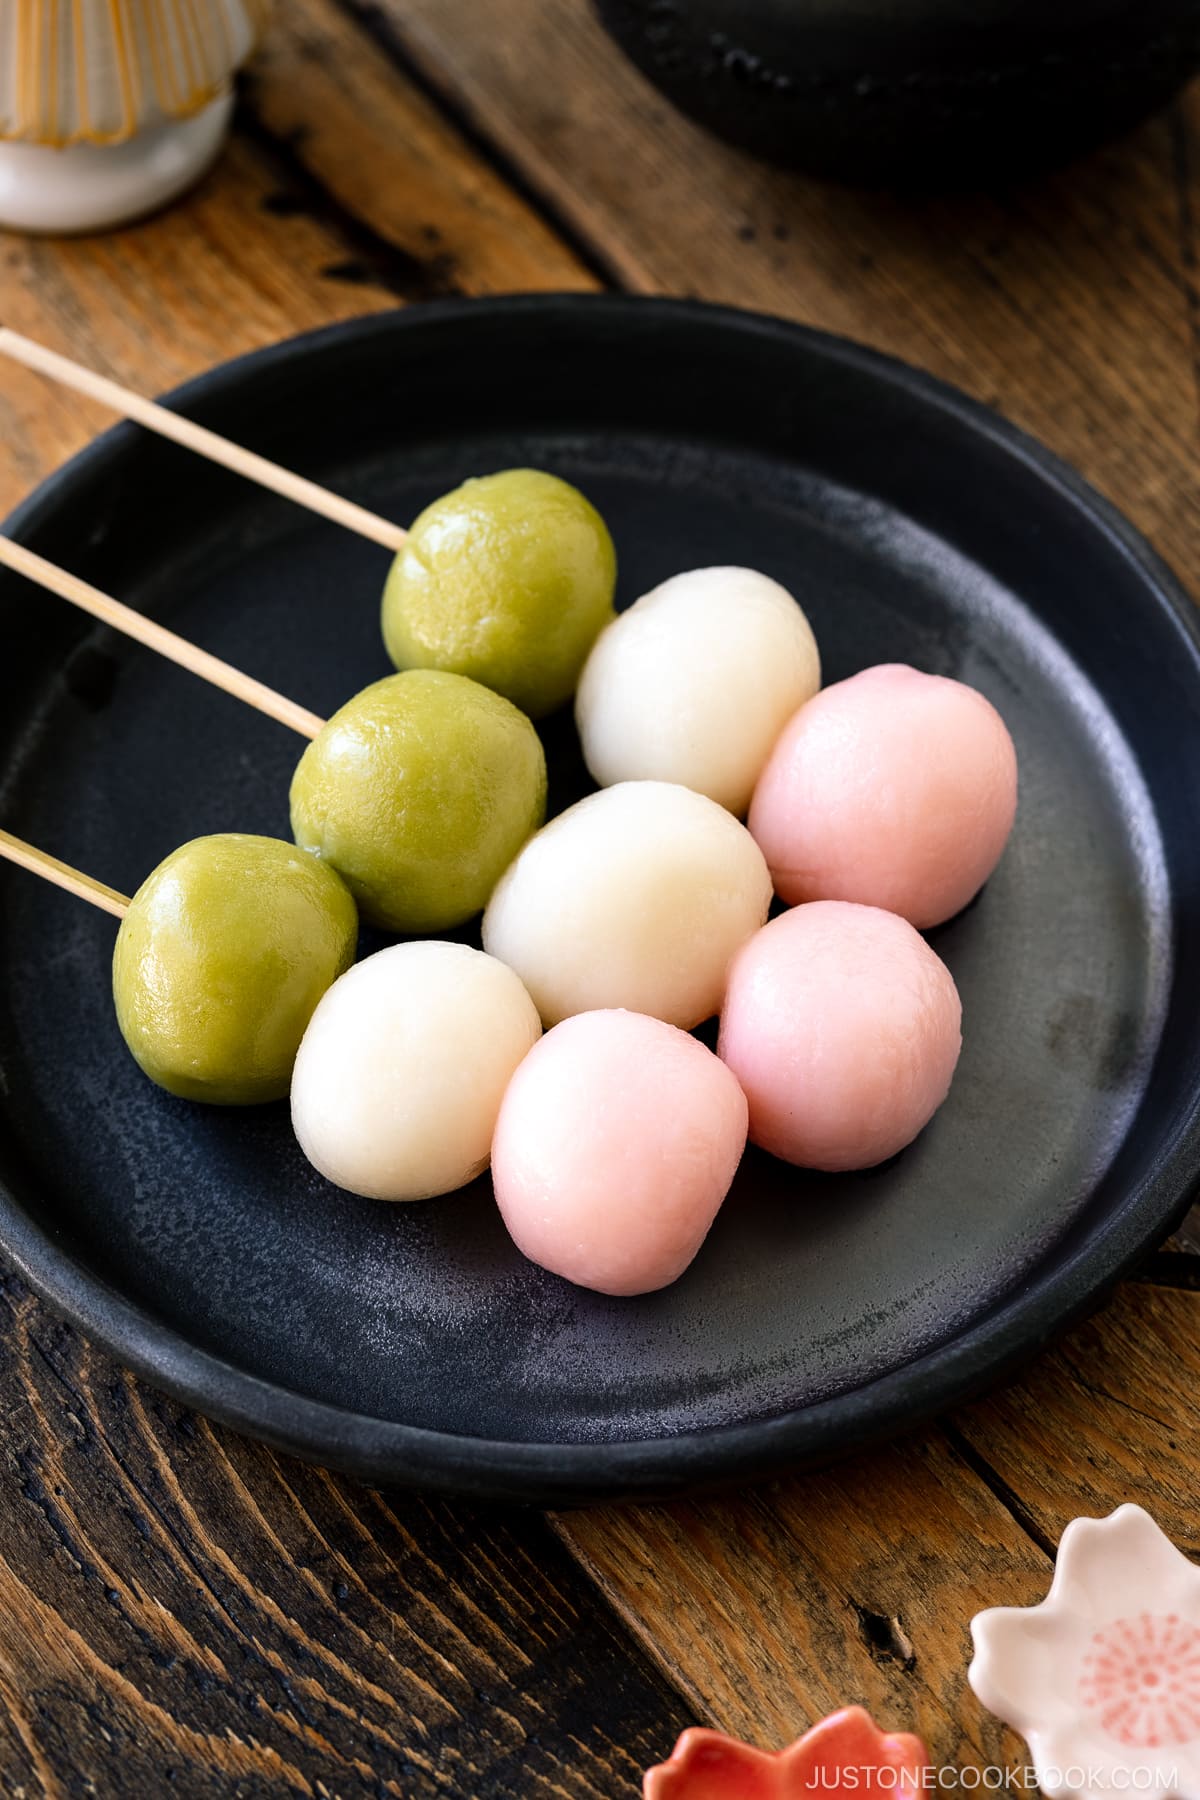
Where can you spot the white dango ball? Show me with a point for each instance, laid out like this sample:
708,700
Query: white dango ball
616,1144
403,1067
694,683
638,897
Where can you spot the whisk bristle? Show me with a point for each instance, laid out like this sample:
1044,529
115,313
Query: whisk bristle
96,74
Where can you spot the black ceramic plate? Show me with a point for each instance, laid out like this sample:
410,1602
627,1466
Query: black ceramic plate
413,1343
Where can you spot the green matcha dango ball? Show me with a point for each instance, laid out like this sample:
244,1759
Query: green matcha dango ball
509,579
420,792
220,962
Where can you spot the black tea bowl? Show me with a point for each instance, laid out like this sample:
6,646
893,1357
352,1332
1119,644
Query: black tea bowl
932,93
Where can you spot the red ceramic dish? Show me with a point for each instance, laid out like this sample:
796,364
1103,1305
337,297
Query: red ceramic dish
845,1753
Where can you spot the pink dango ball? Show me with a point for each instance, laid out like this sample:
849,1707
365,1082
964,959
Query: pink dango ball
893,789
617,1140
843,1028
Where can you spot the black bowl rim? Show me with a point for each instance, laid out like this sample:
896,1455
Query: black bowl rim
384,1451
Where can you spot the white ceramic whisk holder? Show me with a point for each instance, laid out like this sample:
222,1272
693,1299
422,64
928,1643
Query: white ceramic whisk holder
111,108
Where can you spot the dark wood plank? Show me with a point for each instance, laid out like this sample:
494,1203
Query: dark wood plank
422,214
768,1609
181,1611
1123,1391
772,1608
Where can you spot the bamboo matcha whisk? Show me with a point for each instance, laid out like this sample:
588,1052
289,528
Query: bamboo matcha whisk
110,109
72,75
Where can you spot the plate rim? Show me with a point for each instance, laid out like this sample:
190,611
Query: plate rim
1012,1331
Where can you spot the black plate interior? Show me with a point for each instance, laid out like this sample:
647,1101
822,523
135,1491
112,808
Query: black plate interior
199,1245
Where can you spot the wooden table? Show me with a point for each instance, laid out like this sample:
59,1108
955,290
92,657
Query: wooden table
183,1612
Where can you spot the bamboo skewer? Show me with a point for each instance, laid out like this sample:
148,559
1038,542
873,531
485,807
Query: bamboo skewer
198,438
158,638
15,850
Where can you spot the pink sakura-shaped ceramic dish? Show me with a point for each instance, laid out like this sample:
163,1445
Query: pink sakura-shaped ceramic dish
845,1753
1102,1678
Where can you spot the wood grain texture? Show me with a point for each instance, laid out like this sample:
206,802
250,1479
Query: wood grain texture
859,1584
1123,1392
183,1612
771,1609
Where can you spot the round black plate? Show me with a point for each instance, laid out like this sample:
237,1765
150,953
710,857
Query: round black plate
413,1343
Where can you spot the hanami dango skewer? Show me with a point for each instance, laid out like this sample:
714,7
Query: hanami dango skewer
220,961
233,984
419,791
508,579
